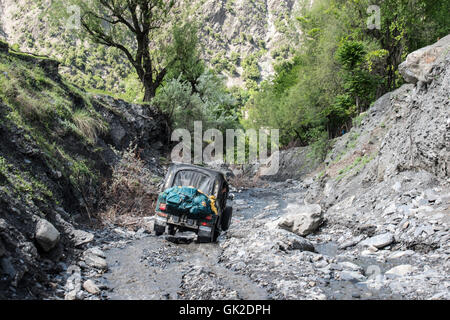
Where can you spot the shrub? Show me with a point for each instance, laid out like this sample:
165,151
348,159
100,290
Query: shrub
241,181
132,191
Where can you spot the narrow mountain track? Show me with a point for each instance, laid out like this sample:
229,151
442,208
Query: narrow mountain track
255,259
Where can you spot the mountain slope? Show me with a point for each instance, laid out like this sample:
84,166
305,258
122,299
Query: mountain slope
391,173
235,36
58,146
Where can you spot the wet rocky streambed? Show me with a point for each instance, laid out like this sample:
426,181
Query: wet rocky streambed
256,259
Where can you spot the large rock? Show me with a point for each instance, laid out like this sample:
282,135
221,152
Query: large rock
91,287
289,241
352,276
47,236
419,63
80,237
73,284
95,259
378,241
96,251
302,220
400,271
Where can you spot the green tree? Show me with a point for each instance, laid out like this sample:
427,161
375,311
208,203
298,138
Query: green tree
185,54
208,102
358,82
130,26
342,65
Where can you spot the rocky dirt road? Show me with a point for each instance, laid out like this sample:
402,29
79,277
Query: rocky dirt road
256,259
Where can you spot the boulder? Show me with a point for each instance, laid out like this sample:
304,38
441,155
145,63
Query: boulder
91,287
80,237
400,271
419,63
94,261
302,220
289,241
351,242
352,276
378,241
47,236
71,295
96,251
346,265
73,284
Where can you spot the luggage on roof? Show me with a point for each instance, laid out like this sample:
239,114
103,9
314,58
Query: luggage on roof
188,201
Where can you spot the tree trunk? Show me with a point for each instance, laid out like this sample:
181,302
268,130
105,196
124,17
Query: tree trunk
149,92
151,85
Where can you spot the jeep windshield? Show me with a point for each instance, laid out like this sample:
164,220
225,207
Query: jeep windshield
190,178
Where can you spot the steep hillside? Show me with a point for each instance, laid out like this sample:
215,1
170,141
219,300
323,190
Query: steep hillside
58,146
390,174
241,39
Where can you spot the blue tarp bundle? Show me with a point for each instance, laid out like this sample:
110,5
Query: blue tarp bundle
186,201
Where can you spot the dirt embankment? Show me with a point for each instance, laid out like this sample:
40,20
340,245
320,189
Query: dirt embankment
58,146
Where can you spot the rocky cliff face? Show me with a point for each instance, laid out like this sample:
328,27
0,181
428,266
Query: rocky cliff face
265,30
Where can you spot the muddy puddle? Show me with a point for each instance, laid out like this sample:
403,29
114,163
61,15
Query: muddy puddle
153,269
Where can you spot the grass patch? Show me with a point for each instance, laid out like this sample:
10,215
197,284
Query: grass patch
351,144
26,187
49,114
87,125
359,163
